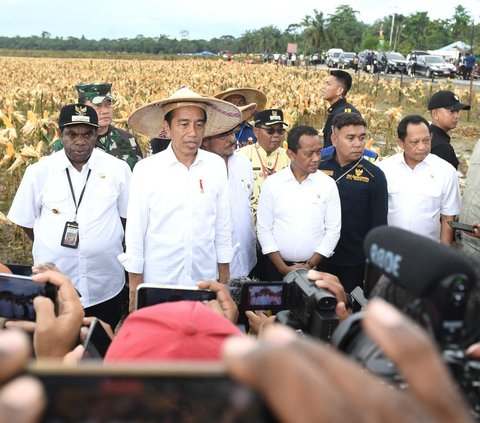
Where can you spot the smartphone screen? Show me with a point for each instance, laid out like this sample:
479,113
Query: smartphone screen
148,295
164,392
17,294
97,341
461,226
263,295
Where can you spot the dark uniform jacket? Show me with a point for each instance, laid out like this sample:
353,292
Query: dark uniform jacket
340,106
364,200
441,146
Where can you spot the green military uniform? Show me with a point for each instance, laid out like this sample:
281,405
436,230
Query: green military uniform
115,141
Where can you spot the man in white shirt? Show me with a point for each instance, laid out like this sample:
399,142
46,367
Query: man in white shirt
73,205
423,190
299,215
180,228
240,187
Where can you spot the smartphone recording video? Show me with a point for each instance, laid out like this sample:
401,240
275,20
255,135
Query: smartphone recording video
17,294
263,295
148,294
97,341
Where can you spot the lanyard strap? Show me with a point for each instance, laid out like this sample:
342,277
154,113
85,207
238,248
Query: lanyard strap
264,169
77,205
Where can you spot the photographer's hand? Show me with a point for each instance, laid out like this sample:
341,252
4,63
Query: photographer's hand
258,321
22,399
224,303
318,384
54,336
333,284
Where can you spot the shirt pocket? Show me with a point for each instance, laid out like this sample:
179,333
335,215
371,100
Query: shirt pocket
429,199
57,203
105,195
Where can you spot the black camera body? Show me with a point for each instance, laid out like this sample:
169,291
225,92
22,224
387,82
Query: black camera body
434,290
299,303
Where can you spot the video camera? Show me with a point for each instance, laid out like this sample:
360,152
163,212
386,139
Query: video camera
431,283
299,303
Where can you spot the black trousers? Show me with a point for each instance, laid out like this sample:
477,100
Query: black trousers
112,310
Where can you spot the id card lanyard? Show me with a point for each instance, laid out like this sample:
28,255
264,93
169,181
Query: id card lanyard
70,237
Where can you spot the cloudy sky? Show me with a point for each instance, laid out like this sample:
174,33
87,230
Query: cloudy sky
201,18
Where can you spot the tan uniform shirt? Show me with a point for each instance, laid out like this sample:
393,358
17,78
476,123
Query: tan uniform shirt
263,165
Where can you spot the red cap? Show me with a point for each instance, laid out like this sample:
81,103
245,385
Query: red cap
181,330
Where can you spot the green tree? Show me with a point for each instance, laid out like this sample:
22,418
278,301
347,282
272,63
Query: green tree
345,29
461,24
316,34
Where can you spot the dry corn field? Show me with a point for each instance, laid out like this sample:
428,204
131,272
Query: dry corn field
32,91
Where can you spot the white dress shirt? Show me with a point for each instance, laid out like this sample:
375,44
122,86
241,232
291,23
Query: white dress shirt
179,221
299,219
44,202
417,197
240,188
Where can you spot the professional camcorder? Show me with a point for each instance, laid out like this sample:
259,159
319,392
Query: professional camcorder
297,301
433,284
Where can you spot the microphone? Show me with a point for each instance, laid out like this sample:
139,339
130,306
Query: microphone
416,262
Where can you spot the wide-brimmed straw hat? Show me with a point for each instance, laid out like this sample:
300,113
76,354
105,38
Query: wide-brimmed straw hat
221,115
251,96
248,111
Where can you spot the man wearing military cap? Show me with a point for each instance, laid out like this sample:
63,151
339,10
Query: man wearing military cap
73,205
267,155
113,140
445,110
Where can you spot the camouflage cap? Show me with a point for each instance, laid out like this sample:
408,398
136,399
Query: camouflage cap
97,93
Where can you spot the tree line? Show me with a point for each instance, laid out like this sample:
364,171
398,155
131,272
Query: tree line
315,33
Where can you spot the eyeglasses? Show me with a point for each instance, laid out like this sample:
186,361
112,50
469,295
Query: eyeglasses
271,131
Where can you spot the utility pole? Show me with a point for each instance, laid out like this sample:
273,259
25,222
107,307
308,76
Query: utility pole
391,31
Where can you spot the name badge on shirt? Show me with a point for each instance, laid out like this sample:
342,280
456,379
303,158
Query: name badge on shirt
70,235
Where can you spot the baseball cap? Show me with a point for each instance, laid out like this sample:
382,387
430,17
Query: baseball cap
180,330
446,99
97,92
75,114
269,117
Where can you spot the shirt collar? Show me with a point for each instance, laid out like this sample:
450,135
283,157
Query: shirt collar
172,159
64,163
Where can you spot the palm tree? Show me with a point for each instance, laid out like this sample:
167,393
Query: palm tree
316,30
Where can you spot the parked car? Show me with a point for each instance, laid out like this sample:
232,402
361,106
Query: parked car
429,65
392,62
332,57
345,60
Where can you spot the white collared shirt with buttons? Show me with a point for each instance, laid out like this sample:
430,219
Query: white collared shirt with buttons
44,202
240,189
299,219
417,197
178,219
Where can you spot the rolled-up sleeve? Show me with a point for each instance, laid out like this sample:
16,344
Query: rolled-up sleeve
223,223
137,220
333,223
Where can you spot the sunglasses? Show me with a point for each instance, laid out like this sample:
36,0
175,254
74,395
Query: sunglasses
271,131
